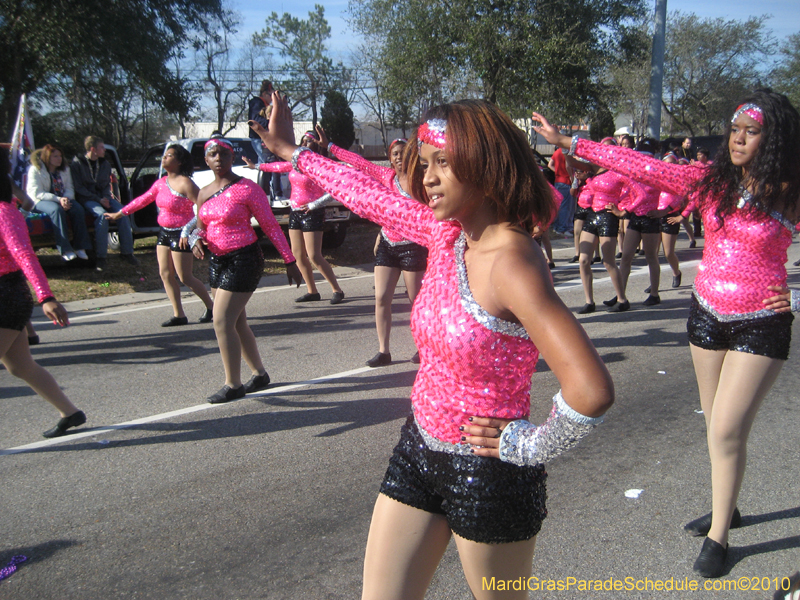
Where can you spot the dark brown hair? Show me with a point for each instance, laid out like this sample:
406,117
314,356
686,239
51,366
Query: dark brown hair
486,150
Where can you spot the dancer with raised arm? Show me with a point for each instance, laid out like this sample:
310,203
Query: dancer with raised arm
226,206
469,464
175,194
394,255
18,261
740,324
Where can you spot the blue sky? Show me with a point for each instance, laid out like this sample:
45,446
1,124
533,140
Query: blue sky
785,19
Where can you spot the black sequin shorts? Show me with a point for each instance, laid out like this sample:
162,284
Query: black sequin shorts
406,257
768,336
171,238
602,224
237,271
484,499
644,224
581,214
669,228
313,220
16,302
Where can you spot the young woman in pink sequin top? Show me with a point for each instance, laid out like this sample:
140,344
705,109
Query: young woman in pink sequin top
740,321
469,463
18,261
175,195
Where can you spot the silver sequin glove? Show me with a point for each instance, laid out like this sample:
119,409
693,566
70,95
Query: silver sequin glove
187,229
194,237
795,300
523,443
320,202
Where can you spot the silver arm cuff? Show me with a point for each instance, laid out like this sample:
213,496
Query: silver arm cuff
523,443
573,145
795,302
320,202
187,229
194,237
296,154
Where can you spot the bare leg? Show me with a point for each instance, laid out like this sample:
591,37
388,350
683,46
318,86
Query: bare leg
632,239
623,225
385,283
404,548
689,231
313,242
743,381
548,247
228,308
651,242
250,351
585,262
303,263
577,227
16,356
505,562
669,240
167,272
413,281
608,249
29,329
183,262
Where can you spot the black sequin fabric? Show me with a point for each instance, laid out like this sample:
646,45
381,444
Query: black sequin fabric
171,238
602,224
406,257
581,213
644,224
769,336
16,302
237,271
484,499
669,228
313,220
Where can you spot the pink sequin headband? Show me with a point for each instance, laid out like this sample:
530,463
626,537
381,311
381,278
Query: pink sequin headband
432,132
217,142
751,110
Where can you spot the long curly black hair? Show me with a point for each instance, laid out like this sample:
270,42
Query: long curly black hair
6,191
773,176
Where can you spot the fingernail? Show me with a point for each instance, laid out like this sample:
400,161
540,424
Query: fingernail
463,438
472,450
461,428
470,419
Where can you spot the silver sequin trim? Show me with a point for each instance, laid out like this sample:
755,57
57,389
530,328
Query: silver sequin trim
747,198
795,303
296,155
438,445
320,202
523,443
187,229
727,318
403,193
475,310
573,145
174,193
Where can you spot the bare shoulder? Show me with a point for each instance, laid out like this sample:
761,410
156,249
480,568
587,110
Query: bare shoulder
520,271
184,185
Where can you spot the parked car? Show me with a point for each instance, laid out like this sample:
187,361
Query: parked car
337,217
144,222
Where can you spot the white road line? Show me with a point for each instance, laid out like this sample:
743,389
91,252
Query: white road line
175,413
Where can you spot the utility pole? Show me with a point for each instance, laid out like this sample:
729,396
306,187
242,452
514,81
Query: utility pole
657,71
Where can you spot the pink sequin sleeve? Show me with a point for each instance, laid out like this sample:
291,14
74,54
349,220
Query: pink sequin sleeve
276,167
259,207
145,199
694,203
673,178
369,198
669,202
383,174
16,251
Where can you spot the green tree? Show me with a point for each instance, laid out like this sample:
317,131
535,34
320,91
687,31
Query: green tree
516,53
337,119
42,39
786,77
308,71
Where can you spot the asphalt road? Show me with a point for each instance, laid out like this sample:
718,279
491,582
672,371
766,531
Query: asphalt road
164,496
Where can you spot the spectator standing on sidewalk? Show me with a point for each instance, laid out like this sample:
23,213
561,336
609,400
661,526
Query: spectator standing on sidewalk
91,176
563,222
258,111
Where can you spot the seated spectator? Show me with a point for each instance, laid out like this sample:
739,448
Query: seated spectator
91,175
50,187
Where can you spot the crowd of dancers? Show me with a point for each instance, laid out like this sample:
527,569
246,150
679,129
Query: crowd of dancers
463,198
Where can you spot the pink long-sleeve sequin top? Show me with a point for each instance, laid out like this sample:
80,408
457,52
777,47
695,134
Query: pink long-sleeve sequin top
16,251
174,210
641,199
740,259
386,175
670,202
226,217
601,190
304,191
472,363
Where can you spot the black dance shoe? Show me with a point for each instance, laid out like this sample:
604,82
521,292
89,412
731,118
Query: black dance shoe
587,308
647,289
611,302
33,340
308,298
652,301
619,255
75,419
257,383
575,259
415,358
621,307
596,260
226,394
380,360
693,244
175,322
337,297
207,316
711,562
700,527
676,280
